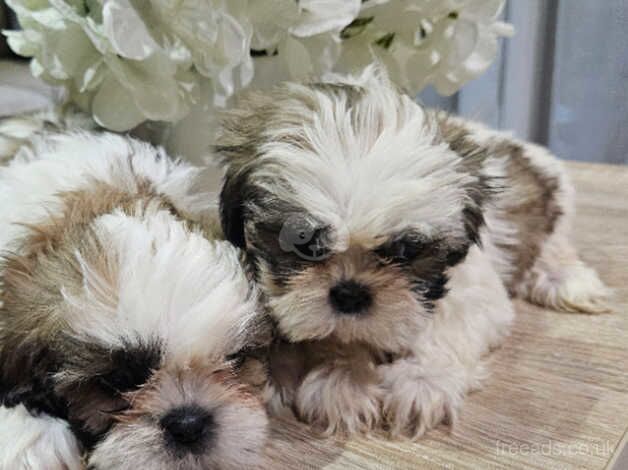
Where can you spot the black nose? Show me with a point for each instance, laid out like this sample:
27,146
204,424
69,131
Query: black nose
188,425
350,297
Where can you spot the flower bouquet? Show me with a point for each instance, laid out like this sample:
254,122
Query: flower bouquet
128,62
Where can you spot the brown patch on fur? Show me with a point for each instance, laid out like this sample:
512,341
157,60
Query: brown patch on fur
92,408
33,344
243,127
32,326
81,207
534,211
289,362
254,373
46,259
529,196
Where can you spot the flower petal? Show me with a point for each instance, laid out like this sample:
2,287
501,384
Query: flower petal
319,16
151,84
127,32
113,107
297,58
271,20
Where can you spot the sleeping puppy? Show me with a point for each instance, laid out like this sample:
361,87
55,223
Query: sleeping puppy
388,240
121,319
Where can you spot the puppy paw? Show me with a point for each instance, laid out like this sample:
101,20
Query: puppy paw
416,401
571,288
334,400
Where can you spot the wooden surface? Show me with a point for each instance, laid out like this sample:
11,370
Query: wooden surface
558,394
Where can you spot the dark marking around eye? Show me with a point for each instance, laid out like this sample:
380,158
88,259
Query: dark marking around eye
436,287
402,249
455,256
431,289
130,367
425,261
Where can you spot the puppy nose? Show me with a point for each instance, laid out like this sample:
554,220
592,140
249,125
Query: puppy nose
350,297
187,425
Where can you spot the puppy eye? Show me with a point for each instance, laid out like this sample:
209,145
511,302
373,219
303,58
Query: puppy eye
401,250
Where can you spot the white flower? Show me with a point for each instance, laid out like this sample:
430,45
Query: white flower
128,61
215,34
122,83
440,42
465,34
310,46
321,16
271,21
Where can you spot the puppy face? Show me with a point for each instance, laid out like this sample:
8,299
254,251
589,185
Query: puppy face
351,205
132,325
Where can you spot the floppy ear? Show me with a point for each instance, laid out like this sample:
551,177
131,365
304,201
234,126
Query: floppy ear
232,207
473,158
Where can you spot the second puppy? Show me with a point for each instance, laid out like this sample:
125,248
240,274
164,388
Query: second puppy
121,318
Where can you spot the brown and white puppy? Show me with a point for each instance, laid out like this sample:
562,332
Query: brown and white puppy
121,318
388,240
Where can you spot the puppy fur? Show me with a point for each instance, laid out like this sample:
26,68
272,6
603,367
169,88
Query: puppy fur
388,240
121,318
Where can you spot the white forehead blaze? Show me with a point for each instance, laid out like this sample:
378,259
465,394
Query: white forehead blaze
170,284
371,169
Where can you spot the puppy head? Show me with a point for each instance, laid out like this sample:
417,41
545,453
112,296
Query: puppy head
142,325
351,204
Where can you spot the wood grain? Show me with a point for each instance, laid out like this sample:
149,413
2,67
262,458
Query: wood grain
558,394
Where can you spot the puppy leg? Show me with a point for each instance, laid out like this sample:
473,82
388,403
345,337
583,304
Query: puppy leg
30,442
560,280
557,278
530,221
286,367
419,397
340,398
428,386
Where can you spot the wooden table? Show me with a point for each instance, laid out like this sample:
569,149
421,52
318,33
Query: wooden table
558,394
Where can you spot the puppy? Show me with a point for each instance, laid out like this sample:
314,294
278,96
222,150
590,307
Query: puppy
121,319
388,240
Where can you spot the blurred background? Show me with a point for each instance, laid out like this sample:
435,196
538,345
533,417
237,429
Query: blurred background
561,81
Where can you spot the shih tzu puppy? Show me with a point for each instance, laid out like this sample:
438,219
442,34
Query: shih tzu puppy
388,240
121,319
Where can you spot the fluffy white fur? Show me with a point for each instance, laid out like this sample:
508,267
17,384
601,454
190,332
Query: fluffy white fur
31,183
173,285
365,182
156,278
30,442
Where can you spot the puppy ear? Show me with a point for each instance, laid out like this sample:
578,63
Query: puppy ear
479,194
473,161
232,207
473,221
